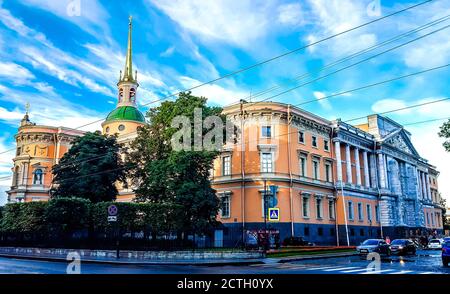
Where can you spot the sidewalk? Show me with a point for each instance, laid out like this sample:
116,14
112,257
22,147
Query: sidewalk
132,261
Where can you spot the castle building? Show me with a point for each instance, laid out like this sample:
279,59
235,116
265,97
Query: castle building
332,182
327,181
38,148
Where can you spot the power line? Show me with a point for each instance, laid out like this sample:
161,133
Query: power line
361,52
349,66
267,60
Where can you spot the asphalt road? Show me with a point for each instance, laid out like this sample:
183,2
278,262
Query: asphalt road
425,262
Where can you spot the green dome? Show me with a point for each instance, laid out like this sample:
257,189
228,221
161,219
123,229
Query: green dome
126,113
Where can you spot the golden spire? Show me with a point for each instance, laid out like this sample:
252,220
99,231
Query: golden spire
128,72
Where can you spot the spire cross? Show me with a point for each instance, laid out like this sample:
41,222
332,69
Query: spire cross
27,107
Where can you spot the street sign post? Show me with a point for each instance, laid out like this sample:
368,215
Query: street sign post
113,212
274,214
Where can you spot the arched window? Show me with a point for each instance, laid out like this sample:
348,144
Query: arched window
37,178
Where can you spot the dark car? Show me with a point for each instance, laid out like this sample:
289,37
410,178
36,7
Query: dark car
296,241
403,247
446,253
374,245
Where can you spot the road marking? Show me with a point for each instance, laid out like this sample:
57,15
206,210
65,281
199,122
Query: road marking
400,272
339,269
377,272
319,268
356,270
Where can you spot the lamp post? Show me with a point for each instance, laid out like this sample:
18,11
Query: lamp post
266,234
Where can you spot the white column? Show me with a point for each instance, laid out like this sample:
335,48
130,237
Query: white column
419,182
337,149
424,186
373,170
385,162
427,179
366,170
358,167
348,162
381,171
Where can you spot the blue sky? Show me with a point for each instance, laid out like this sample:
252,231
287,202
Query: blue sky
67,66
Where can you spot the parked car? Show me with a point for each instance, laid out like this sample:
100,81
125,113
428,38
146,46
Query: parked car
446,239
435,244
373,245
446,253
296,241
402,247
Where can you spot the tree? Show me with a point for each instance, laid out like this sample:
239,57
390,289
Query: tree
164,175
90,169
445,133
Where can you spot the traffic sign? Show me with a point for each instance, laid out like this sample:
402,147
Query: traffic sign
274,214
112,218
113,210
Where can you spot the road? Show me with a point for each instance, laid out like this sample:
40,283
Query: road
425,262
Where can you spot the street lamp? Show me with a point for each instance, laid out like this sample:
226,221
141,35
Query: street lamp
266,234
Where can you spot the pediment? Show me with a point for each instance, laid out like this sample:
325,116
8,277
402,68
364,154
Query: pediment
401,142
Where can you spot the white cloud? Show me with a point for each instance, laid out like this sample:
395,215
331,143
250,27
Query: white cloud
323,102
236,22
168,52
15,72
10,117
215,93
291,14
92,17
390,104
435,51
432,110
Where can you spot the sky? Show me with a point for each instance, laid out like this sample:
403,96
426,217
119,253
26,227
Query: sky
64,58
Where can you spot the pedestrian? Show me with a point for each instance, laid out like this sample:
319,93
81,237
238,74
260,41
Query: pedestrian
388,240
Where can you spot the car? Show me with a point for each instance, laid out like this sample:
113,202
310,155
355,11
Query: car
446,253
296,241
435,244
446,239
373,245
402,247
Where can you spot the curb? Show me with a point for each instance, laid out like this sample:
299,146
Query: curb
119,262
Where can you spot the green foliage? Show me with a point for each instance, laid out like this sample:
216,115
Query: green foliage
90,169
445,133
175,178
68,214
24,217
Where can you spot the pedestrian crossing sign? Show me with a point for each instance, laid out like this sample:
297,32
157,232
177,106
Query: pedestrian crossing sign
274,214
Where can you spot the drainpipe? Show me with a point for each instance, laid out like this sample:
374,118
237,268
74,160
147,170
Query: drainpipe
290,170
242,171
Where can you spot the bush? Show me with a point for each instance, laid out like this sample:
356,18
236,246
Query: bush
24,217
68,214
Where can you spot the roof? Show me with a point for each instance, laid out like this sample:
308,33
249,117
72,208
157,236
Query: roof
130,113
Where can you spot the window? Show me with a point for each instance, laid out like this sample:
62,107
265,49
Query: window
331,209
352,232
326,145
37,178
332,231
432,219
328,172
18,151
377,213
226,166
369,212
266,131
428,218
360,212
266,162
305,206
303,166
121,127
306,231
314,141
320,231
16,176
361,232
225,206
350,210
301,137
107,129
316,173
319,207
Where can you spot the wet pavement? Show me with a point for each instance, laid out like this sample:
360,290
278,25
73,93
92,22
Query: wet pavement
425,262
